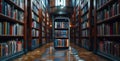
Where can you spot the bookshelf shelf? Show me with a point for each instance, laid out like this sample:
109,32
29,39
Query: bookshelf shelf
35,37
61,29
35,13
84,37
35,28
109,56
60,38
111,36
84,5
15,5
106,4
12,56
85,28
84,13
9,36
36,5
111,19
7,18
107,28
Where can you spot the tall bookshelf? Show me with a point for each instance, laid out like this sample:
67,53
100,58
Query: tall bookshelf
107,28
61,33
33,24
48,27
44,22
72,27
12,28
86,10
77,25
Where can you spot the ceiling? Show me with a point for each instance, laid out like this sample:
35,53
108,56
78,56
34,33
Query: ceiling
60,10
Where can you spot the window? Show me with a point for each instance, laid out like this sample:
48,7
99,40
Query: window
60,2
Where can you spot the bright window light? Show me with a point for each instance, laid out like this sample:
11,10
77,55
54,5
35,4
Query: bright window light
60,2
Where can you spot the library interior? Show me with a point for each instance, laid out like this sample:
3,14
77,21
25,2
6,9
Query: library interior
59,30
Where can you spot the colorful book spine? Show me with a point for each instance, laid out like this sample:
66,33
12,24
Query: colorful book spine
109,47
10,47
109,29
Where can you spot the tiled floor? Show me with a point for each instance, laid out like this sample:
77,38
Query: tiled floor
48,53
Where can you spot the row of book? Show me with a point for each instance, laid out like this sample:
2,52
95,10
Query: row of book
85,25
109,29
19,3
35,17
6,28
61,24
34,8
10,47
36,3
85,33
83,3
61,33
84,18
109,47
35,24
11,11
35,33
101,3
108,12
61,42
35,43
43,34
85,9
85,43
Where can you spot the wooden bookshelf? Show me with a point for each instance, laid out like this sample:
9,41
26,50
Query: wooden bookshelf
105,5
7,18
61,32
85,24
108,20
77,27
107,14
33,24
13,27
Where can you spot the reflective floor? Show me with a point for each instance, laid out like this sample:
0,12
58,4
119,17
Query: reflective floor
48,53
52,54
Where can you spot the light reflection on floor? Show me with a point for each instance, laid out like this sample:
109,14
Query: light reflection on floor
52,54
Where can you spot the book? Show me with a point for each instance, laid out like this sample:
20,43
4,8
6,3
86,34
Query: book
10,47
1,28
61,24
109,29
61,42
10,11
85,33
109,47
85,43
108,12
19,3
